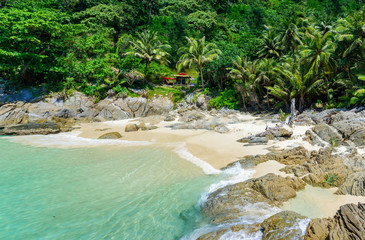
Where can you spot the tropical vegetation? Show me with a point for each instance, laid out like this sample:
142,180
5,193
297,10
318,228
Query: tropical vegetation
249,54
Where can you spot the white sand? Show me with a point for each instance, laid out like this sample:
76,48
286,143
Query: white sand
316,202
215,148
270,166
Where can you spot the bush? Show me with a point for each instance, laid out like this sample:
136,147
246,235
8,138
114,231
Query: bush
227,98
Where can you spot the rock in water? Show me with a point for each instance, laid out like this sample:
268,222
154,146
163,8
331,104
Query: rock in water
111,135
283,226
131,128
32,128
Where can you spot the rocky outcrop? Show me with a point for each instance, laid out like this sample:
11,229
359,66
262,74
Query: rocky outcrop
226,203
268,134
111,135
277,188
328,134
212,124
283,226
32,128
354,184
337,127
81,108
190,116
347,224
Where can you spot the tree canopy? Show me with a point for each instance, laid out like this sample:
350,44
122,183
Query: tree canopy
263,51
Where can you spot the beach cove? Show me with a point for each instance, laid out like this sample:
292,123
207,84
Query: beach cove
209,152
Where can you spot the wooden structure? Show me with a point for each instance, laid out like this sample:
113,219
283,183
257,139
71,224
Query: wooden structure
182,80
178,80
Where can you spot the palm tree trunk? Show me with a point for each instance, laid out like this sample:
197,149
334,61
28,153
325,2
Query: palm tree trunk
255,97
201,76
327,89
301,103
267,98
145,72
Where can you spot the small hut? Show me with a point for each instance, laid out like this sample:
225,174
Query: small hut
182,79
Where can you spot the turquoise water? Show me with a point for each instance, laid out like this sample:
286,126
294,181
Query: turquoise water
97,193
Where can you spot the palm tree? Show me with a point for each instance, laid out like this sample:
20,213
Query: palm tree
297,82
268,71
352,29
247,72
198,52
239,71
149,48
291,37
253,76
270,46
318,54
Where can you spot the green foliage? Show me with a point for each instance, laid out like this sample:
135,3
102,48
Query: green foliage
29,42
283,115
174,93
227,98
149,48
269,51
331,179
106,15
202,20
198,52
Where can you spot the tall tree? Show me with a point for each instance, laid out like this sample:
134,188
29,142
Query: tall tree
239,72
318,53
270,46
291,37
149,48
198,52
352,30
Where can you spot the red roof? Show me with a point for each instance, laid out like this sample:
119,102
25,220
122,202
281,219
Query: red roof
182,74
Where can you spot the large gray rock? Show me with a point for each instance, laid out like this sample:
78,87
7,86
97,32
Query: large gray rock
159,106
135,107
353,130
347,224
13,114
107,110
277,188
354,184
328,133
32,128
227,204
190,116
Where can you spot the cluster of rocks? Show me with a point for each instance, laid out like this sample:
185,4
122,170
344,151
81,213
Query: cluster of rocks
278,133
337,128
59,113
191,117
227,205
348,223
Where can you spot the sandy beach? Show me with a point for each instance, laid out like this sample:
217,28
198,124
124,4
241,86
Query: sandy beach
214,148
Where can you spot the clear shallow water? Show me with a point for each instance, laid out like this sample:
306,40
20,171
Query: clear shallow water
98,193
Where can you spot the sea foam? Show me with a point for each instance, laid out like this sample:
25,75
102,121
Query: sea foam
185,154
71,140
